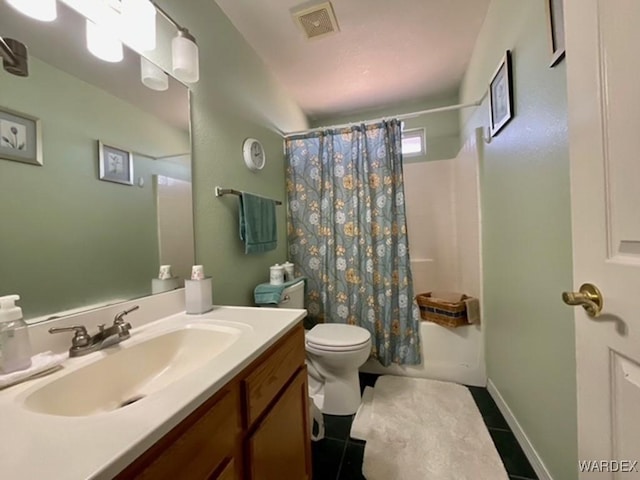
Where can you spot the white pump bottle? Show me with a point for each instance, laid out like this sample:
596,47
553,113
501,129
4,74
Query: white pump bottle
14,336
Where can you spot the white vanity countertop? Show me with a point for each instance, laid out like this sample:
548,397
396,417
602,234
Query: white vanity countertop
37,446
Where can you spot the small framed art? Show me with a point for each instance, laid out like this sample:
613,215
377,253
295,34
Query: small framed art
116,164
20,137
501,96
555,21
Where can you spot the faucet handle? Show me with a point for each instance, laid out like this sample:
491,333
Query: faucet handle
123,330
119,320
80,339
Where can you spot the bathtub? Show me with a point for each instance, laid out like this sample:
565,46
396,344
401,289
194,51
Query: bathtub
450,354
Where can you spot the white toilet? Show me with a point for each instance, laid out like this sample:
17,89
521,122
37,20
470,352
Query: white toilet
334,354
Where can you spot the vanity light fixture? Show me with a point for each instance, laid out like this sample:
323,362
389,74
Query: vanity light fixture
184,54
138,23
111,22
102,43
184,51
153,76
43,10
15,57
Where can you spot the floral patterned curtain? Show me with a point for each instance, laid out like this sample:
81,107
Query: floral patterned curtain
348,234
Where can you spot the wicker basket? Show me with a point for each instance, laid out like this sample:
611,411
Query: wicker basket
443,313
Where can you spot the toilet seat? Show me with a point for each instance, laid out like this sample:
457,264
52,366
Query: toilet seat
336,337
350,348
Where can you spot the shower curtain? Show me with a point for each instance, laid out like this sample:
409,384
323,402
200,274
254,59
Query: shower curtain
347,233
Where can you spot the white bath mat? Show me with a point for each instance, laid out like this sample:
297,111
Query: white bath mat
418,429
362,420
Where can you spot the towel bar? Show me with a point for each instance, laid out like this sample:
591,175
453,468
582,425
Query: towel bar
230,191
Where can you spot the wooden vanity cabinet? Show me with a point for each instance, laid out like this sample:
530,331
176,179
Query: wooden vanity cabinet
278,448
255,428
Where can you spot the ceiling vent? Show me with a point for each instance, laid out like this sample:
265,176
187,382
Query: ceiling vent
317,21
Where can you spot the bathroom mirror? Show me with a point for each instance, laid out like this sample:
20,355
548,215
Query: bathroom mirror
70,240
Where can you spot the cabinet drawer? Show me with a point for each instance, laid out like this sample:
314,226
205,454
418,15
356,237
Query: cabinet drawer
267,379
196,447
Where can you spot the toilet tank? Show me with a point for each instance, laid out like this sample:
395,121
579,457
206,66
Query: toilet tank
293,296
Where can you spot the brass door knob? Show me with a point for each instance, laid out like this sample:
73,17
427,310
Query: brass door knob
589,297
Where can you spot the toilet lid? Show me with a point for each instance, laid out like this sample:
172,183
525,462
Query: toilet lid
337,335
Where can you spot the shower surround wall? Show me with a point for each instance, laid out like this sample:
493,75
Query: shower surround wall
443,217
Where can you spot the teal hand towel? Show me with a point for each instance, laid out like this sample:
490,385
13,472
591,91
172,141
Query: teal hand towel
265,293
257,223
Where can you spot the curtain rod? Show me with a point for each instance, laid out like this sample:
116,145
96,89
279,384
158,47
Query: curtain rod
399,117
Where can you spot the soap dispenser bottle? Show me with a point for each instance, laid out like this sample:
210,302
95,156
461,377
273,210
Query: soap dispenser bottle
14,336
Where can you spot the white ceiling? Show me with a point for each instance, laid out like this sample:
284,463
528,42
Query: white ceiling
386,53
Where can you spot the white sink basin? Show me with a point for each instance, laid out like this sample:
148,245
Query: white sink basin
132,372
178,361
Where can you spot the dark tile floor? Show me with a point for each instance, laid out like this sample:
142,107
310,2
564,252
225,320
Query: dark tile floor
338,457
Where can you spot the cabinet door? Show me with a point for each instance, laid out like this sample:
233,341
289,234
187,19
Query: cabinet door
267,379
281,447
197,446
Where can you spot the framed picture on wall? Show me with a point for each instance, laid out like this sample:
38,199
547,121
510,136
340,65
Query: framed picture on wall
555,22
20,137
116,165
501,96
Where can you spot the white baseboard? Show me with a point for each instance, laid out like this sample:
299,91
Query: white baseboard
527,447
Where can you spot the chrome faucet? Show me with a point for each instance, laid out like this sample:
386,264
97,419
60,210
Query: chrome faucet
82,343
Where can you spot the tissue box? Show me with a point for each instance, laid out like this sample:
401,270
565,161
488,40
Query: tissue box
198,296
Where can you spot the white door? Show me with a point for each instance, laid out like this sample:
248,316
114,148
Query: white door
603,75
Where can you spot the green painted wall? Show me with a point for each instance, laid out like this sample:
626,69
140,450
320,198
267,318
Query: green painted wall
442,130
526,233
67,239
237,97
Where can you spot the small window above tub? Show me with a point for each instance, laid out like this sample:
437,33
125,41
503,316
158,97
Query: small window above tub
413,144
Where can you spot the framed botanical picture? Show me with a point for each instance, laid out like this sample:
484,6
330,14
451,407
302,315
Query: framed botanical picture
555,22
501,96
116,165
20,137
